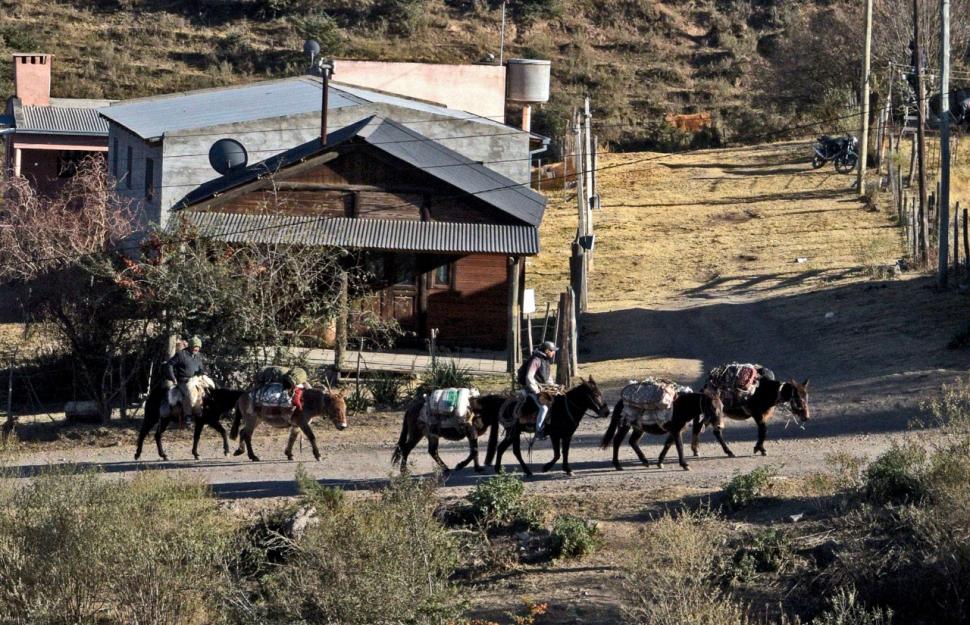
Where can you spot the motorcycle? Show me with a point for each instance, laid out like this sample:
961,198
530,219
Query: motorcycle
844,151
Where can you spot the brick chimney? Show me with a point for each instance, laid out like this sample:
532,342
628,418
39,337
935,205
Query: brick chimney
32,78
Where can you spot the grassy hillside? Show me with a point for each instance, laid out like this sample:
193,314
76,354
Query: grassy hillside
638,59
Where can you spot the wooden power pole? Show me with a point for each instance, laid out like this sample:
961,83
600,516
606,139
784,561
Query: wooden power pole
864,146
921,137
944,203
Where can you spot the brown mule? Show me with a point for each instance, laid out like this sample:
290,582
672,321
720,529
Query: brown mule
413,429
760,406
316,403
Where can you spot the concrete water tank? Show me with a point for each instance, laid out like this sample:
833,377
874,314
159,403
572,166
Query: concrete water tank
528,80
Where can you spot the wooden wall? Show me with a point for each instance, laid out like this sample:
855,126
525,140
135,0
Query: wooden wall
475,312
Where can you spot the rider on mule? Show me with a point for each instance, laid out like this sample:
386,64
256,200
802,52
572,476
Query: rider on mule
536,370
180,368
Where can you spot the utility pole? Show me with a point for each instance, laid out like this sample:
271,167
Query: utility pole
944,209
864,151
921,137
501,45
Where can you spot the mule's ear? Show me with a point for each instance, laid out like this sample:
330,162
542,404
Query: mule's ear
591,381
805,383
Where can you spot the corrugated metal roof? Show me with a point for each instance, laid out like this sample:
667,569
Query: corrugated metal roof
61,120
380,234
150,118
447,165
443,163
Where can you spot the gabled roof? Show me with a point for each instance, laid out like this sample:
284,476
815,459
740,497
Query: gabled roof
150,118
376,234
63,116
512,198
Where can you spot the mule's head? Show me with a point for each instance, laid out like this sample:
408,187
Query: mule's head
594,399
336,409
799,399
712,408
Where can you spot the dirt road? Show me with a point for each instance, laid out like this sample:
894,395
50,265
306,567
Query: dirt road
697,264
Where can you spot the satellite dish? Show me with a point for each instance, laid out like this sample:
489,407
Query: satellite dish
311,48
227,155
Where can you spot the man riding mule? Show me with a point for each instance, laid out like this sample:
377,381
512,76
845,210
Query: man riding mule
750,392
186,364
283,399
531,376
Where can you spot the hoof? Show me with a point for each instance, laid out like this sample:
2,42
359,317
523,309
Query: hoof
239,452
254,458
694,451
196,456
479,469
289,456
163,457
528,473
760,450
730,454
316,457
617,466
660,465
546,467
137,456
225,453
568,472
685,467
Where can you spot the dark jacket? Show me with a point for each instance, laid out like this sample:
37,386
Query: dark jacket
543,374
183,365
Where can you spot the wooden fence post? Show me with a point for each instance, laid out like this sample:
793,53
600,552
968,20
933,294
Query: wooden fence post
340,346
956,242
515,317
562,323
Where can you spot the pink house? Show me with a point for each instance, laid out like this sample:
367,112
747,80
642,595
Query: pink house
45,137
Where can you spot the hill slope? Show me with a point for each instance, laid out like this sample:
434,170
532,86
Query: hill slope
637,58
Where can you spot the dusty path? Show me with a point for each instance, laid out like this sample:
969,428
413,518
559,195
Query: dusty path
696,265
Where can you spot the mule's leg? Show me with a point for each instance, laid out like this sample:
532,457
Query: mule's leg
565,455
635,437
680,451
555,454
308,432
472,454
720,439
162,426
407,448
617,441
146,426
289,442
501,450
696,435
215,425
517,450
433,452
196,433
246,437
762,432
663,452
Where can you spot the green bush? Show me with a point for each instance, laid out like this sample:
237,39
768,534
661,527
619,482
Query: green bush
497,499
573,537
322,28
316,494
897,475
769,551
446,374
20,39
401,17
386,389
384,560
526,12
744,488
358,401
76,547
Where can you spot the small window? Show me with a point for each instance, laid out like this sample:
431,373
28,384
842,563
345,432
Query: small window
149,179
441,277
128,172
114,161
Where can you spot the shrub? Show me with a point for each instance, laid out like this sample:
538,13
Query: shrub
497,499
744,488
20,39
78,548
770,551
951,409
386,389
445,375
573,537
358,401
897,475
315,493
845,609
672,578
322,28
377,561
402,17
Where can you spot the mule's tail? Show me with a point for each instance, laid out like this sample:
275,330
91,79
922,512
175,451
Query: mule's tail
401,441
236,420
614,423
